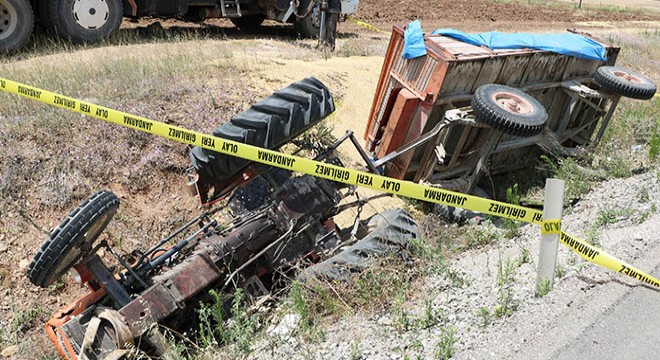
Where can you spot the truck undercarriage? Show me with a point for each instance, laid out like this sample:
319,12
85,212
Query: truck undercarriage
88,21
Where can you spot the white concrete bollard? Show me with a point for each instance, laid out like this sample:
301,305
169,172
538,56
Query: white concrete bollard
553,204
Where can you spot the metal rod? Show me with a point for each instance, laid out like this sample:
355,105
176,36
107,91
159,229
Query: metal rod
363,154
107,281
334,146
171,251
411,145
255,257
606,120
170,237
323,7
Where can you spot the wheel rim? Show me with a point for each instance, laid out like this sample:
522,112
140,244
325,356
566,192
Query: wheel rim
628,77
315,17
84,245
91,14
513,103
8,20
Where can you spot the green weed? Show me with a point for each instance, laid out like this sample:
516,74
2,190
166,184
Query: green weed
578,180
560,271
543,288
524,257
356,351
505,280
481,235
654,142
444,348
24,320
485,316
512,197
431,256
428,318
239,329
605,217
310,304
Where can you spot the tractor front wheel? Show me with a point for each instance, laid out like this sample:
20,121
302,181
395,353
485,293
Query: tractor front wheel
72,238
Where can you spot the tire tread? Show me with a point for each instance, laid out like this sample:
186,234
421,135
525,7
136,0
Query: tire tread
66,235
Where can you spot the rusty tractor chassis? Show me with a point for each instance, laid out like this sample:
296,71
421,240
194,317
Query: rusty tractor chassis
422,125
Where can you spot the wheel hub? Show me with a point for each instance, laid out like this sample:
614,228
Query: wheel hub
513,103
8,20
91,14
315,17
627,77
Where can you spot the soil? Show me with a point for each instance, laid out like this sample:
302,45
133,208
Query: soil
25,224
484,10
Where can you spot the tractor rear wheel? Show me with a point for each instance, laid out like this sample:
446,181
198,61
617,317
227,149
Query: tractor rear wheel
72,238
268,124
387,233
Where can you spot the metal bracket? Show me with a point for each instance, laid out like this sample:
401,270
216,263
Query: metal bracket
581,90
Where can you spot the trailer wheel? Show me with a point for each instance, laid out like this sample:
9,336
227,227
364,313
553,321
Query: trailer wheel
310,26
72,238
388,232
509,110
248,22
82,21
16,24
626,83
268,124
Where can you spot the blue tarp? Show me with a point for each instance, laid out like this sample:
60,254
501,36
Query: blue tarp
567,44
413,41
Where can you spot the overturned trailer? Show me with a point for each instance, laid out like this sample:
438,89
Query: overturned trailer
428,122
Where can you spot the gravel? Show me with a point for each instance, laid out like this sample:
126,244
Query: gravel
537,327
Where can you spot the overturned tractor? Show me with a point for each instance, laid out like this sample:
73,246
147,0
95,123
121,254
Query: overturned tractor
282,222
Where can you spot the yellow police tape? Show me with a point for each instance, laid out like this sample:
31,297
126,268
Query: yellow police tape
551,227
599,257
367,26
327,171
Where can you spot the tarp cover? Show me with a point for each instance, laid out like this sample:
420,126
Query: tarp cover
413,41
567,44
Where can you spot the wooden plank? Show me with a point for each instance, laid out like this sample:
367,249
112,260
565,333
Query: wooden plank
398,124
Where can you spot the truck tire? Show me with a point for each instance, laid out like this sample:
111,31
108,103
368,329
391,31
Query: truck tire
252,22
310,26
389,232
16,24
72,238
509,110
268,124
81,21
626,83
